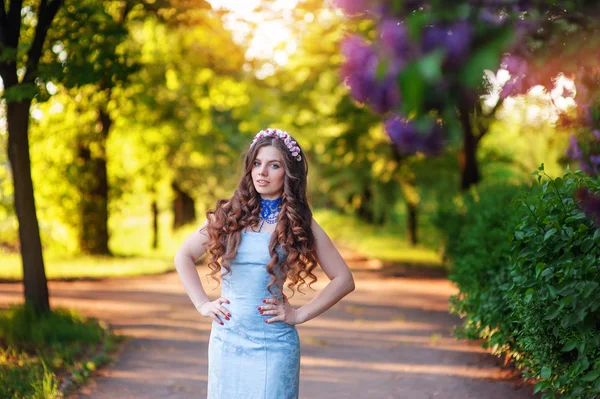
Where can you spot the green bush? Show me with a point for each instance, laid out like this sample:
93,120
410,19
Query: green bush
477,227
528,278
553,290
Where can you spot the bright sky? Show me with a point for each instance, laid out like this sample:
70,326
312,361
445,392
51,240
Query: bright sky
270,33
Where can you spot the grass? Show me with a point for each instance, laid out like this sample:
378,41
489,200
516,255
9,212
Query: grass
39,352
130,243
132,256
386,243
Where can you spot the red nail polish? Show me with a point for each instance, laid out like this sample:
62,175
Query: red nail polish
267,321
264,301
228,315
261,312
259,308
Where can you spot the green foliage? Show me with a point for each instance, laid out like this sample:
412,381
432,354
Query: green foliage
476,227
384,243
528,279
21,326
35,349
553,289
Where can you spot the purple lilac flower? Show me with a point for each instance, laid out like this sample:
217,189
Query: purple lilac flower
409,139
395,39
455,39
360,72
586,112
517,84
574,151
590,204
492,18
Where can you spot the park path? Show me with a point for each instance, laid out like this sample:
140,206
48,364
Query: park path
390,338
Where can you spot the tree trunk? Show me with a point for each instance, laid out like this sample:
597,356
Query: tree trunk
154,224
411,199
34,275
184,208
94,234
411,209
469,169
364,211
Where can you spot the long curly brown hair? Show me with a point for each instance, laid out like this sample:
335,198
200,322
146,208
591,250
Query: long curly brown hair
292,233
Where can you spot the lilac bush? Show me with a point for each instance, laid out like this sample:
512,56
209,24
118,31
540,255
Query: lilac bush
426,62
361,74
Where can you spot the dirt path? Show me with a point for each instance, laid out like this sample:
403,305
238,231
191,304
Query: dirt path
389,339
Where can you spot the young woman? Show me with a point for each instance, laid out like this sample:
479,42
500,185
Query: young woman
259,238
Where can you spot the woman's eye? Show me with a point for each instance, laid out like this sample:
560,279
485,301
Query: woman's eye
256,163
275,166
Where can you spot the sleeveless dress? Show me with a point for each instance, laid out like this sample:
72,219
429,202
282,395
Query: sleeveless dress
248,358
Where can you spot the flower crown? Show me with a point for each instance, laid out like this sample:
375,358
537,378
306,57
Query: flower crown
283,136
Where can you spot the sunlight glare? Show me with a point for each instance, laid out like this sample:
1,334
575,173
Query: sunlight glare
270,38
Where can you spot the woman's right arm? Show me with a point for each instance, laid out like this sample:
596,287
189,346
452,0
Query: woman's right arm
193,248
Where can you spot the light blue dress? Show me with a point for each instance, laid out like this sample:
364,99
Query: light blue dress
247,358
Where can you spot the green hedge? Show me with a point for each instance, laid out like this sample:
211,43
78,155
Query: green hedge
528,275
477,228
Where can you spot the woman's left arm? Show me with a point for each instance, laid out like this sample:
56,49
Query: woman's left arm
341,281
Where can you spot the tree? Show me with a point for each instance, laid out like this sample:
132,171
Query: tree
423,70
18,93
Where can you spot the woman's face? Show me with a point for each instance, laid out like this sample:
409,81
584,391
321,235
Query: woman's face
268,172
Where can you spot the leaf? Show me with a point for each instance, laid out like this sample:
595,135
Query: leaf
412,87
548,272
548,395
588,288
546,372
591,376
587,245
430,66
574,218
549,233
569,346
552,315
559,182
519,235
487,56
539,268
540,385
416,22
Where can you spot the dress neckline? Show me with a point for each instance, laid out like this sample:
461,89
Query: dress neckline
257,232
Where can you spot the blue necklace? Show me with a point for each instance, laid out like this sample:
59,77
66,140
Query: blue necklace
269,210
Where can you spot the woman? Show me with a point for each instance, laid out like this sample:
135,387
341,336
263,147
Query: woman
263,235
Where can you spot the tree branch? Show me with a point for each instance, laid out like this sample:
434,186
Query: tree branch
12,28
46,15
126,9
492,115
2,23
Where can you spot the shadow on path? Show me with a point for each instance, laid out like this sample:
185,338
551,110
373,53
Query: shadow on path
390,338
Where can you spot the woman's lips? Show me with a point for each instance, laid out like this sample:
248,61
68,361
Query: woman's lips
262,182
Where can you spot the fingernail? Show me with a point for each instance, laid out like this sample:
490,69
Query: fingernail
259,308
222,324
228,315
267,321
261,312
264,301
